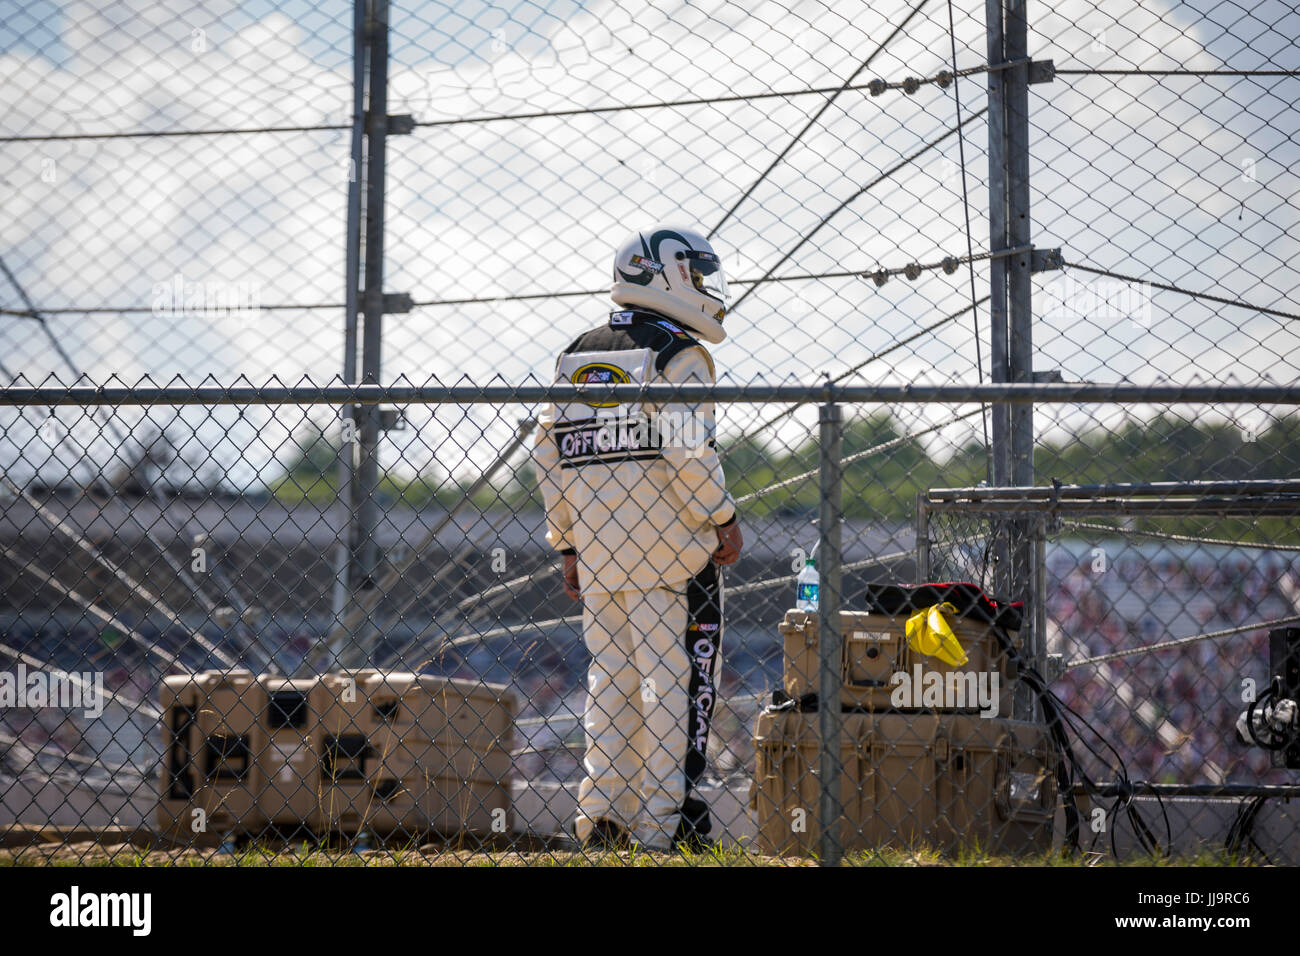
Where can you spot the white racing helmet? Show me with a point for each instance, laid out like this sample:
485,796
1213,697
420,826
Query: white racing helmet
676,273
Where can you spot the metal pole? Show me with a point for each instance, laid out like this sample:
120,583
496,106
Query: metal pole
1019,300
1019,285
1039,607
365,552
829,639
1057,494
999,369
354,624
922,537
352,272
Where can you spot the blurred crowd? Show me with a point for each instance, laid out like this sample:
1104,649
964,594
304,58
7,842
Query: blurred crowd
1170,712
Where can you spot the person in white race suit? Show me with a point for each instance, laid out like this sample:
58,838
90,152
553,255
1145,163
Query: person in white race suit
637,504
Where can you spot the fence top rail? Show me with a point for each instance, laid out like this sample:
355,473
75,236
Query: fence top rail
1152,489
758,392
1207,506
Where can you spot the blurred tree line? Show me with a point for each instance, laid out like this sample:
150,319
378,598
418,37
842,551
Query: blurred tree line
883,484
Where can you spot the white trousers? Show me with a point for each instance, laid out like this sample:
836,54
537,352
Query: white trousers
649,706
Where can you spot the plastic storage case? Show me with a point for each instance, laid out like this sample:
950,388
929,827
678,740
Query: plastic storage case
942,781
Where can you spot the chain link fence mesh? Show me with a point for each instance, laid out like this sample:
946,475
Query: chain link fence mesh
258,646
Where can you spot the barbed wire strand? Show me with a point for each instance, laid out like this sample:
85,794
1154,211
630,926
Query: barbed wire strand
886,175
1168,536
970,245
33,313
1183,641
904,270
170,133
787,412
874,86
1172,72
1188,292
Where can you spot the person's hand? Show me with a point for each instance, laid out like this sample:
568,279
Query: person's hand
730,543
571,576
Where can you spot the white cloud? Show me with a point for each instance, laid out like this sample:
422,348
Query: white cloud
1142,175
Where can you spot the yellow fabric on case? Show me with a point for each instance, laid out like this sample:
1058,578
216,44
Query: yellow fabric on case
929,633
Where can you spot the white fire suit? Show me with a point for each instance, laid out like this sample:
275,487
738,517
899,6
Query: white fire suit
637,491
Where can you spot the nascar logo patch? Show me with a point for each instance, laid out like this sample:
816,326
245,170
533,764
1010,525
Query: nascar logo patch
600,373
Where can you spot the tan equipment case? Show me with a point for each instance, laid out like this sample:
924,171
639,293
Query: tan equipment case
409,754
942,781
212,729
396,754
875,649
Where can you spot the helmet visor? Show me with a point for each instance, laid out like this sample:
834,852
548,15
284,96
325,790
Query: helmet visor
706,274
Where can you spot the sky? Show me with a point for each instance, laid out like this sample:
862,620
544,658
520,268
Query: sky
1181,180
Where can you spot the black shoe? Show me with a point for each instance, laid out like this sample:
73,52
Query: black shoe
694,842
608,835
693,827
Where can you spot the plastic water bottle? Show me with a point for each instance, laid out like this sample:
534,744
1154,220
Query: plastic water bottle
806,585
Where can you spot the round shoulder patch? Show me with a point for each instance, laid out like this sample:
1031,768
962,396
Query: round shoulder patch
600,373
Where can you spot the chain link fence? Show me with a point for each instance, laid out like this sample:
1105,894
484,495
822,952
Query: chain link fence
253,605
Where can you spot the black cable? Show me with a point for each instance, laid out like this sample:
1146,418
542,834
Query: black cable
1140,72
1128,788
1232,842
825,106
1164,812
970,252
887,174
1065,763
32,313
1242,830
870,87
1149,841
45,326
1188,292
158,134
1055,712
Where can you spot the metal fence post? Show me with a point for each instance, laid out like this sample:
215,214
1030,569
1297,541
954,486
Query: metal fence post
351,298
922,537
1024,553
829,639
1011,333
365,511
1039,607
997,120
1020,348
999,370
